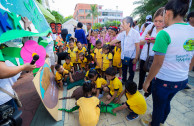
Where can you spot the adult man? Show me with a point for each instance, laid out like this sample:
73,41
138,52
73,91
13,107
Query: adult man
89,27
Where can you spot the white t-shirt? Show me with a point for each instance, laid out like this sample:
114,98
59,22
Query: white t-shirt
7,84
128,43
49,47
143,25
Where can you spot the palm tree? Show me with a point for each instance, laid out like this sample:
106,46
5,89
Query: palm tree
93,13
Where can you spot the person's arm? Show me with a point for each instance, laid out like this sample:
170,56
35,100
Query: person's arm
124,106
191,64
137,53
97,93
114,42
70,77
112,98
73,70
122,93
8,71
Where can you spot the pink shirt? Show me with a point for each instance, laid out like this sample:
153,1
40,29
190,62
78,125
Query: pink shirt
93,40
107,38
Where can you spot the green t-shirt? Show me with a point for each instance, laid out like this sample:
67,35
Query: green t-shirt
162,42
1,56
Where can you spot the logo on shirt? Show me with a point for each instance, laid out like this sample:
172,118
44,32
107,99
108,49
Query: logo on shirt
189,45
107,57
183,58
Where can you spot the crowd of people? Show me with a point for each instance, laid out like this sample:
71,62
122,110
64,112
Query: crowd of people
163,48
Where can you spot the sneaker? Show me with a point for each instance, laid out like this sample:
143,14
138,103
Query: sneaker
144,122
146,119
131,117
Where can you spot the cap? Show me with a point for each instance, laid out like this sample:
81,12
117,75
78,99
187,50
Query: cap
148,17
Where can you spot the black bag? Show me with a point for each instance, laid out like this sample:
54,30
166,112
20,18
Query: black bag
127,59
149,61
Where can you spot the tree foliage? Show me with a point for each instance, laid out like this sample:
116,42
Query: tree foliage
93,12
106,24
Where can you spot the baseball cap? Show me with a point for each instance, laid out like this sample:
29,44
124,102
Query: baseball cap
148,17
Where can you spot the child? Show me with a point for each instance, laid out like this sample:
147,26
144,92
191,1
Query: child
117,62
91,66
106,58
102,36
61,75
72,53
82,61
68,65
89,110
79,50
100,82
115,86
98,55
135,101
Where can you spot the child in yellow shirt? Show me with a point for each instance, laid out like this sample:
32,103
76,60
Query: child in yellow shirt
61,75
82,61
98,55
72,53
80,49
89,111
100,82
135,101
106,58
114,87
117,62
91,66
68,65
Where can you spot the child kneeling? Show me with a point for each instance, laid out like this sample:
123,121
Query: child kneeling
114,87
61,75
89,111
135,101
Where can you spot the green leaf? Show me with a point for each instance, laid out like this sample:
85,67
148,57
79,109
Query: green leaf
31,3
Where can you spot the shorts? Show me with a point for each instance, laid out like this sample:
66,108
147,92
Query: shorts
105,66
51,58
116,63
100,64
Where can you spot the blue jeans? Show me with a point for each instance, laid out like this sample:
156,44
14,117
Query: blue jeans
162,94
124,71
12,103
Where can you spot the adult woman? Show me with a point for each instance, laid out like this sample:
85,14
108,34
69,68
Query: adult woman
80,34
130,39
150,32
172,60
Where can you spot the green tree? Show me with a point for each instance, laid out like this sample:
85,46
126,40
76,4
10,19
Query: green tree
68,18
93,13
40,1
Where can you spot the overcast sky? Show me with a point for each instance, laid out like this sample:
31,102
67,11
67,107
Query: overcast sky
66,7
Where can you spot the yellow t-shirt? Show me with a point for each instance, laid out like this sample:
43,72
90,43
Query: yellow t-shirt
115,85
72,54
107,58
117,53
99,82
136,102
89,112
83,63
82,50
98,53
73,45
59,77
87,73
68,66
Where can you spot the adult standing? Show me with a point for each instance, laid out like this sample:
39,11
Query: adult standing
190,18
148,20
130,39
136,27
80,34
150,32
89,28
172,61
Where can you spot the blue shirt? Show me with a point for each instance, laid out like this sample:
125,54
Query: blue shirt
80,35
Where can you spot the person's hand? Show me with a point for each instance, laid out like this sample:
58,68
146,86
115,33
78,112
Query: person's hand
147,36
29,67
107,102
114,111
120,64
145,86
47,55
71,80
117,101
134,61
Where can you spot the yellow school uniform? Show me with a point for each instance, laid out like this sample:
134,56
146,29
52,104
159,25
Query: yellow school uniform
89,112
106,60
73,45
72,54
68,66
136,102
115,85
83,62
99,82
82,50
117,57
98,53
59,77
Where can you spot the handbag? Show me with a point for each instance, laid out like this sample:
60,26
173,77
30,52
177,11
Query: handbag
15,97
127,60
149,61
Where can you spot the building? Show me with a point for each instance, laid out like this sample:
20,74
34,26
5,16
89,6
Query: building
80,13
109,15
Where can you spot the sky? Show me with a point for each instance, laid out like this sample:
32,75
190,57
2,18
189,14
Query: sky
66,7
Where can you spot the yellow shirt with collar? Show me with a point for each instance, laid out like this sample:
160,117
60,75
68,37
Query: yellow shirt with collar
136,102
68,66
99,82
82,50
83,62
115,85
107,58
72,54
59,77
89,112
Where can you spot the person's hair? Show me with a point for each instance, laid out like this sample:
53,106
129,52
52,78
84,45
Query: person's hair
131,87
64,33
89,24
146,24
128,20
159,12
150,19
68,58
98,42
119,42
78,42
71,42
92,65
110,71
106,47
178,7
89,57
191,14
92,73
57,66
87,87
71,39
79,25
81,54
115,29
133,24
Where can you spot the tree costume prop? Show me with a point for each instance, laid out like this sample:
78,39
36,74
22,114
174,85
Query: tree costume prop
78,78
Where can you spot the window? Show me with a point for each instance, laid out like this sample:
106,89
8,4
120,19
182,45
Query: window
88,17
87,11
81,11
104,13
81,17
